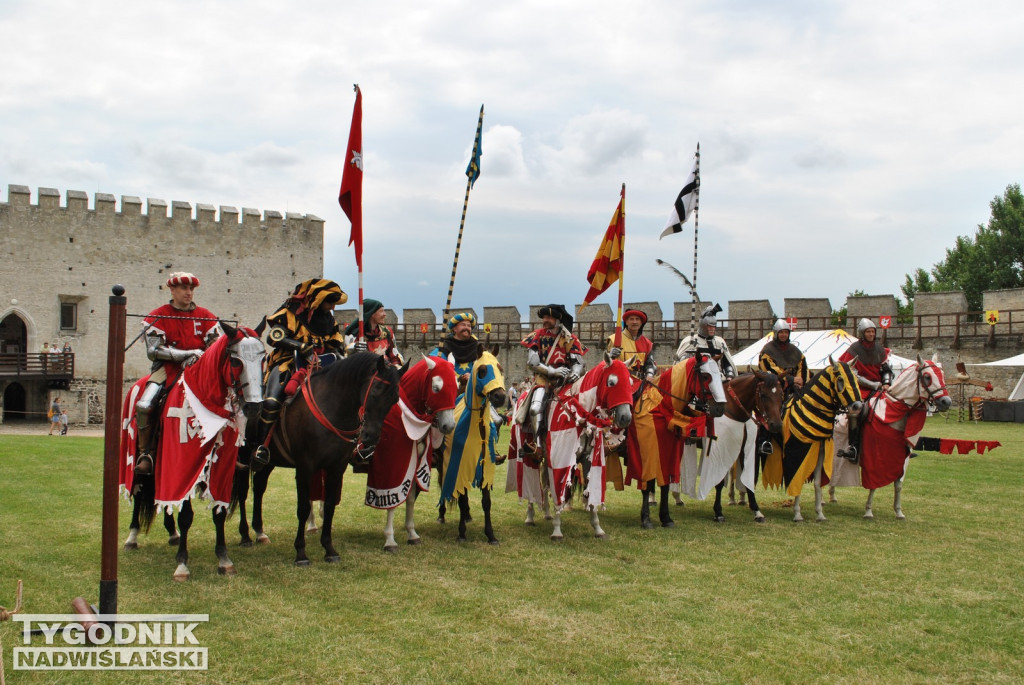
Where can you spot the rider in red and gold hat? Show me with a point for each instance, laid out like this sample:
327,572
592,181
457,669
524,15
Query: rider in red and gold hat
176,335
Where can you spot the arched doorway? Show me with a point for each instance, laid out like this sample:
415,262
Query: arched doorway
13,335
14,403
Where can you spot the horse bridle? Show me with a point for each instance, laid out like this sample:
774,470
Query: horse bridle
349,436
930,395
758,413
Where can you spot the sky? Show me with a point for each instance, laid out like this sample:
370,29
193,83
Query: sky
843,144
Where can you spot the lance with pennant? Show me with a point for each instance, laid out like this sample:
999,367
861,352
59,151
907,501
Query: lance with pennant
472,173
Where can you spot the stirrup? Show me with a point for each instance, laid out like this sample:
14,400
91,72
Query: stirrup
260,457
144,464
765,449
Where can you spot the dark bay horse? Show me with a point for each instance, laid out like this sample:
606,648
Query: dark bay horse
198,442
752,399
337,414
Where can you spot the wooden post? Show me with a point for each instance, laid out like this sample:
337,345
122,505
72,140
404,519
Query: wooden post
111,450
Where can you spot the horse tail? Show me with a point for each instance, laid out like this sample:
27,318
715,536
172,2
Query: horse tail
145,500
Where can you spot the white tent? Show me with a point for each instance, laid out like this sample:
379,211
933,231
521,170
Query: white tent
817,346
1017,360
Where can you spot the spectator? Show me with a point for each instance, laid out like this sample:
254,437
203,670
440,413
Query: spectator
54,414
64,422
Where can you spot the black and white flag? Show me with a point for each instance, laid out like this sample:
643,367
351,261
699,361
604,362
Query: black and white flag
685,202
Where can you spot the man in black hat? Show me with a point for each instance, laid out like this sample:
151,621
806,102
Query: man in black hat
555,358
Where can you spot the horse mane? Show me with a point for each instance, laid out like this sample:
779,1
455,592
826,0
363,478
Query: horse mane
350,369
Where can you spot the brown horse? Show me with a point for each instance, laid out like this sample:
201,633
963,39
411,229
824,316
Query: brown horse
338,414
752,399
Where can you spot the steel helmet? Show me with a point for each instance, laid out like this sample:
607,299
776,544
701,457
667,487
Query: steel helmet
781,325
863,325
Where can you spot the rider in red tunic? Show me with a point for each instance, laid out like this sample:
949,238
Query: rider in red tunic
176,335
554,358
871,362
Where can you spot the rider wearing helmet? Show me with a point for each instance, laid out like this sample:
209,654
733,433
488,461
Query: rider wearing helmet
460,345
784,359
871,362
705,339
869,359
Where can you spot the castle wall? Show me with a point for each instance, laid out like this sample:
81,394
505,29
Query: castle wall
247,264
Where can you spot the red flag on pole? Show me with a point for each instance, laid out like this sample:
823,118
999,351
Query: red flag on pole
607,266
351,195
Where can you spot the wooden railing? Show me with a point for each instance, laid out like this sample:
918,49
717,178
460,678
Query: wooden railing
956,328
58,370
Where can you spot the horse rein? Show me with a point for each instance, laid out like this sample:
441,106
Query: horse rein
349,436
758,413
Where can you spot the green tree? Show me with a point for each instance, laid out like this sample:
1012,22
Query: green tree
991,260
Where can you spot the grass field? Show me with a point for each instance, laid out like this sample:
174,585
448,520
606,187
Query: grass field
935,598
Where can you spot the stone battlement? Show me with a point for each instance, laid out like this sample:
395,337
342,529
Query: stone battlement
182,214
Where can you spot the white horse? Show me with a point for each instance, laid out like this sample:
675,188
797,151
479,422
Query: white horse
891,423
583,406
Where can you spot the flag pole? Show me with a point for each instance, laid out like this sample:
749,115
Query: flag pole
622,269
470,178
696,219
350,196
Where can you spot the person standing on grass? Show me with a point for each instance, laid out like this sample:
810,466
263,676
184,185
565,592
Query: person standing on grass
64,422
55,411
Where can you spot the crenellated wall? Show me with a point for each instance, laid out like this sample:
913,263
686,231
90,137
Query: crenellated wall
247,263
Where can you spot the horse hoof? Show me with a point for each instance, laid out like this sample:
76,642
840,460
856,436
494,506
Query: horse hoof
461,540
131,545
262,539
668,524
529,523
646,525
332,558
181,576
494,541
414,541
302,563
311,529
549,517
869,517
901,517
245,543
821,519
759,519
440,519
601,536
557,538
732,504
227,570
719,519
173,540
391,549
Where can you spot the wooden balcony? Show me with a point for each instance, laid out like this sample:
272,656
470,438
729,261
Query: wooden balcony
56,370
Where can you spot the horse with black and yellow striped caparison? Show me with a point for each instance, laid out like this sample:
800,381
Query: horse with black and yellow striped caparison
807,430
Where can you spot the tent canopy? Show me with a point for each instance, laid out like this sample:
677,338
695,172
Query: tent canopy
1017,360
817,346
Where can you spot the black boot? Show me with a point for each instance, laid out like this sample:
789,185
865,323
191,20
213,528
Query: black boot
272,404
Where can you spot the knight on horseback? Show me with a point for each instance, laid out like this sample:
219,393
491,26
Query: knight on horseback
555,358
870,360
636,350
460,345
305,337
176,335
785,360
706,340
